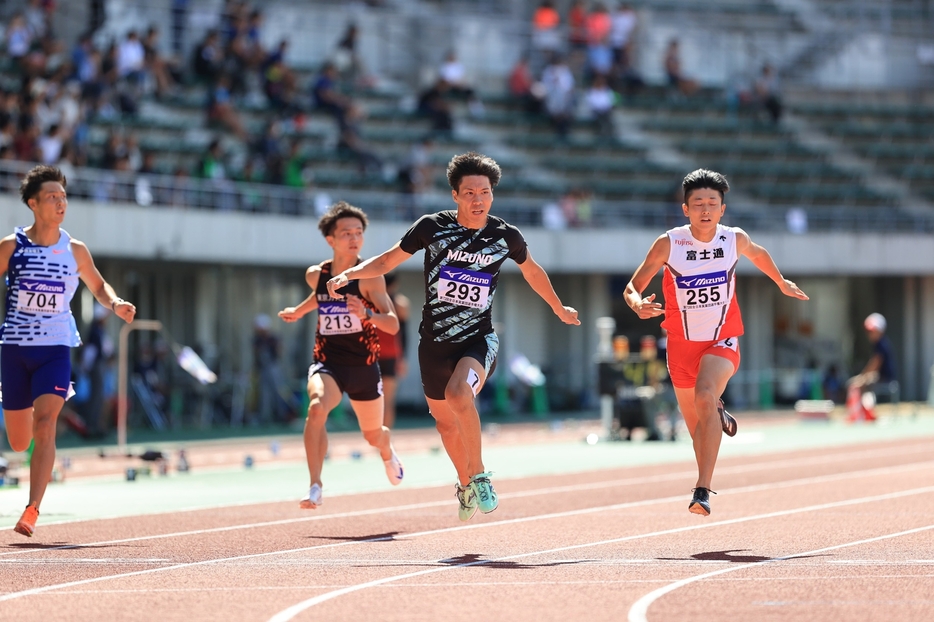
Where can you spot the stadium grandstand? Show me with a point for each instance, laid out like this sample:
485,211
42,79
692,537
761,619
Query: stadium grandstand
202,139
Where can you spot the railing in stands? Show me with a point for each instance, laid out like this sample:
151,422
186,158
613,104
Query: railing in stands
225,195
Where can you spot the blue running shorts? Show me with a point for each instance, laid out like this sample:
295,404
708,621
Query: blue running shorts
26,372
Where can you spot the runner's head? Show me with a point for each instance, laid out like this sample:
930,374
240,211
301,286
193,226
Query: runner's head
341,209
704,179
472,164
33,183
343,226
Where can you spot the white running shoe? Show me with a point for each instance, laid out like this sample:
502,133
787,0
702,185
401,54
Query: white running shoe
312,499
394,470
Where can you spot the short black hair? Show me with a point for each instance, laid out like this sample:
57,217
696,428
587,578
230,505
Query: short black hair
471,163
341,209
32,182
703,178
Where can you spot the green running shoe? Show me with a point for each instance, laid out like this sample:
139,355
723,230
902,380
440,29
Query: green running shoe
486,496
468,500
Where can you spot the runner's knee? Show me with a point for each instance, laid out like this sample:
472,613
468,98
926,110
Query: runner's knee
373,437
316,413
459,395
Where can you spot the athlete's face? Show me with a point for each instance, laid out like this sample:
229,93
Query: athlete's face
704,208
50,203
474,199
347,236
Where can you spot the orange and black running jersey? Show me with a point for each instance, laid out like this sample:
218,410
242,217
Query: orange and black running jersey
341,337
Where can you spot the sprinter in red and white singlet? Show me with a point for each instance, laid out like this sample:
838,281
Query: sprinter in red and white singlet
702,314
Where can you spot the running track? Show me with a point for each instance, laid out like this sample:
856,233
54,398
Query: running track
841,527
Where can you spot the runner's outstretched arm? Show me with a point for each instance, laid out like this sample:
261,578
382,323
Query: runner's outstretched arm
367,269
761,259
293,314
538,279
646,307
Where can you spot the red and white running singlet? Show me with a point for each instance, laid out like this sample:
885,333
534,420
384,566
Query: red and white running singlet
700,286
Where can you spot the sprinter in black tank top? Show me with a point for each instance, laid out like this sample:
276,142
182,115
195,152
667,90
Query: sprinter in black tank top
464,250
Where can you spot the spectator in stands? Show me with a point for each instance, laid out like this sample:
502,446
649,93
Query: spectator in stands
131,57
546,32
220,108
346,58
433,104
452,71
559,86
599,55
156,65
600,102
279,83
18,37
577,25
25,142
134,156
676,77
524,89
768,93
208,57
296,163
50,145
327,98
22,47
623,25
38,15
212,165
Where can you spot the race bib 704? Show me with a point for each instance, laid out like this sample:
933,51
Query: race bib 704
463,287
36,296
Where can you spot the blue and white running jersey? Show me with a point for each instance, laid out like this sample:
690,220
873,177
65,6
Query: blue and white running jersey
41,281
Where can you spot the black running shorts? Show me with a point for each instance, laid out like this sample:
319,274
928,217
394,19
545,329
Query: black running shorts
438,360
361,383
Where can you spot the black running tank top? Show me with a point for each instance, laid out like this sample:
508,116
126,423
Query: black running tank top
341,337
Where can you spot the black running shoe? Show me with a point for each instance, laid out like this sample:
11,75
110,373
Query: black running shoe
700,504
727,422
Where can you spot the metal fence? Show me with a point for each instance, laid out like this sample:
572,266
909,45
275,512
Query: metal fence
224,195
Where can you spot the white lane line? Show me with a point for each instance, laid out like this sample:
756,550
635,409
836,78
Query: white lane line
531,493
289,613
70,584
639,610
735,470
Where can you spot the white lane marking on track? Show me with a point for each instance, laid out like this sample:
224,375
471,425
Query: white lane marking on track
749,468
531,493
618,506
639,610
288,614
48,588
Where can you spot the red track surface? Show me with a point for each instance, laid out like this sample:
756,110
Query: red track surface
841,534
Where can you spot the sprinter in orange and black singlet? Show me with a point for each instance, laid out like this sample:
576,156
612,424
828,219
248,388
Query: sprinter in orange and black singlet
346,347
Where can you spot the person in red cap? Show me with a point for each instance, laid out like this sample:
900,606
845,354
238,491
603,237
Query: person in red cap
878,371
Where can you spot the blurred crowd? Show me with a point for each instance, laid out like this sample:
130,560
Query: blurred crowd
74,105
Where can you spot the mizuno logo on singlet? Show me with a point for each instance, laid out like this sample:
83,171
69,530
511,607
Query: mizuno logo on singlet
701,280
477,258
